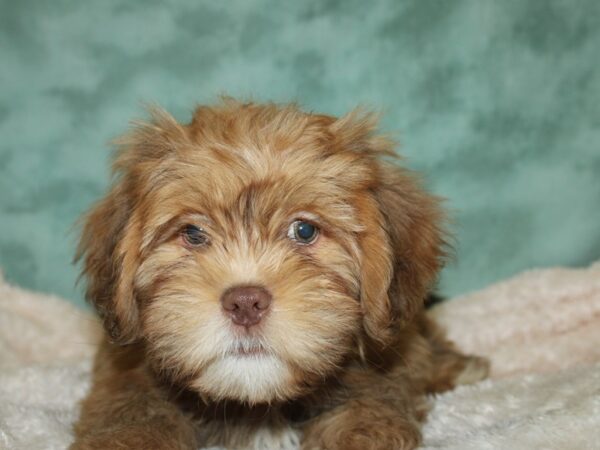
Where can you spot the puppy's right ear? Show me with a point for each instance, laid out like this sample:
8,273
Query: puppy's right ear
109,249
112,235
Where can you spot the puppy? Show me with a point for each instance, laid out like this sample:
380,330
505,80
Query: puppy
261,274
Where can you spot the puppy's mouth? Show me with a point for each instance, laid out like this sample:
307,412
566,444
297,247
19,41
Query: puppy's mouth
246,349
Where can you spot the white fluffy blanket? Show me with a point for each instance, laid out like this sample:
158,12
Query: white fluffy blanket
541,330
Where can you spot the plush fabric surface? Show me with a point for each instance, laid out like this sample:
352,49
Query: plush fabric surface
540,329
495,102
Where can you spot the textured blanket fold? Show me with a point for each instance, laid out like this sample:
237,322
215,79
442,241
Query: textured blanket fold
540,329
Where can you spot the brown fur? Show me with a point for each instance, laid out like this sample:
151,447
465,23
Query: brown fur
347,354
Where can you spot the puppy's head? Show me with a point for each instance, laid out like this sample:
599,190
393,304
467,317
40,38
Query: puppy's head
254,249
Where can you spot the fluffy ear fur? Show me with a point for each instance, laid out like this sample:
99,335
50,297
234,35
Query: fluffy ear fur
412,221
403,243
111,240
108,248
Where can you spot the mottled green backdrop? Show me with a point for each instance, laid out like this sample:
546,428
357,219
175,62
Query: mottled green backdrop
496,102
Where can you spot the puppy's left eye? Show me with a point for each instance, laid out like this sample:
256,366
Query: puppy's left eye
194,236
303,232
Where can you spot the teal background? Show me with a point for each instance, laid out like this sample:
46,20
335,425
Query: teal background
496,102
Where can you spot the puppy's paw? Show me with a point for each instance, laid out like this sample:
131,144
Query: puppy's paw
363,429
135,437
475,369
363,439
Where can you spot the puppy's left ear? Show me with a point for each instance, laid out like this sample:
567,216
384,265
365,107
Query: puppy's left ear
403,244
412,220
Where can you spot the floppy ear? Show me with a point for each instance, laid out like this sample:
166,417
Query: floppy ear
111,240
403,245
109,248
402,254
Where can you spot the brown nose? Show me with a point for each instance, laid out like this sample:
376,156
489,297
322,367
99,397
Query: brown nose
246,305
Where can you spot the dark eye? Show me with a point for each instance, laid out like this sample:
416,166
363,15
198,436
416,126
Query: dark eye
194,236
303,232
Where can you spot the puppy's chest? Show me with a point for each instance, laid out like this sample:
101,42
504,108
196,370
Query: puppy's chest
242,435
234,426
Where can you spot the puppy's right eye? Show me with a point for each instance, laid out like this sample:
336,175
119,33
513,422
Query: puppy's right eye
194,236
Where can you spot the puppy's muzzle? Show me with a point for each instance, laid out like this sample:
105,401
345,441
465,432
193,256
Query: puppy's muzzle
246,305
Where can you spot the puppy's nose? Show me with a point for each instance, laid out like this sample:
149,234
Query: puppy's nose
246,305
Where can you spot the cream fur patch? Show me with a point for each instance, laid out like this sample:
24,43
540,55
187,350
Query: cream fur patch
248,377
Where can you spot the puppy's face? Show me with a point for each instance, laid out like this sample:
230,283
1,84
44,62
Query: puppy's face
255,249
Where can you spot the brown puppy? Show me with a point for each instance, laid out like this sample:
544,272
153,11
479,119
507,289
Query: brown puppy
261,274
